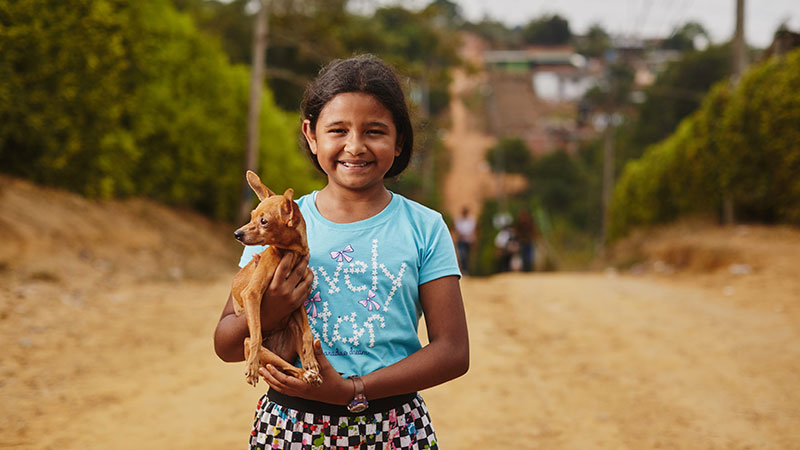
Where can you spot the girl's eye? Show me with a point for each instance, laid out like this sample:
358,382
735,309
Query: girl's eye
376,132
337,130
263,221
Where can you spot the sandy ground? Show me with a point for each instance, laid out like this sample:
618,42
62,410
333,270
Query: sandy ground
107,312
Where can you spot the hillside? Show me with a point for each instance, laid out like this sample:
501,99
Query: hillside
107,311
94,295
751,266
111,242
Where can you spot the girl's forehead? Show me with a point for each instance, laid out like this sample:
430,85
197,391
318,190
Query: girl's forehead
355,105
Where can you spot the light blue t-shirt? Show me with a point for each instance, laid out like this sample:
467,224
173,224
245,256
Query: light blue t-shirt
364,303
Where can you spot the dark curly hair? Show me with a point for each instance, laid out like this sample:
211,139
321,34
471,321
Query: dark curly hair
370,75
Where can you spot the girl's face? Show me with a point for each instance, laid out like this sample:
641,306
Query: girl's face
355,141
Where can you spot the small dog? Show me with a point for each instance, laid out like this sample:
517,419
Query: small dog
276,222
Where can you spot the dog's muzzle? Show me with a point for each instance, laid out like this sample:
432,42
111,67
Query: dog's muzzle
238,234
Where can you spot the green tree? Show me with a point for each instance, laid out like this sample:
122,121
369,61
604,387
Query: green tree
557,182
112,98
547,30
683,38
594,43
561,184
446,12
63,94
678,91
761,141
497,34
741,142
306,34
613,93
510,155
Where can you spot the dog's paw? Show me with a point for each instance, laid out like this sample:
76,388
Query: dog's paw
312,377
251,376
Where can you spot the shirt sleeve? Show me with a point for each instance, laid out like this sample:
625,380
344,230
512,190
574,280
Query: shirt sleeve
439,258
249,251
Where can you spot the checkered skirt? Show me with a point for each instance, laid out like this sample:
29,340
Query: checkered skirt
406,427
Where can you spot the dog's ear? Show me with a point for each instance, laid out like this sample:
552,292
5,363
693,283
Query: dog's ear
288,208
257,186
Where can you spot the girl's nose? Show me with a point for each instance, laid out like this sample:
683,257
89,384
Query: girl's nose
354,144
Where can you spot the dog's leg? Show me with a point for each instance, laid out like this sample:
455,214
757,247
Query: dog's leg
252,301
251,297
305,347
266,356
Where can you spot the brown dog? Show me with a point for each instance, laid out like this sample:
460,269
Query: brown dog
276,222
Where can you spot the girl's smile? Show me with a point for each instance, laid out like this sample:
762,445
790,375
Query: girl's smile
355,141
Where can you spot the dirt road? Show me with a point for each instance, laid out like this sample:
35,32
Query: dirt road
595,362
558,362
101,350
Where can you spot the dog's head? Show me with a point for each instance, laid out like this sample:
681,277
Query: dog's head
275,221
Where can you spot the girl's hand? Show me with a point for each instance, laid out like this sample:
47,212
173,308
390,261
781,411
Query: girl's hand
334,389
286,292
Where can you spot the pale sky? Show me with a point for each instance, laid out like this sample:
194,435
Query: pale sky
640,18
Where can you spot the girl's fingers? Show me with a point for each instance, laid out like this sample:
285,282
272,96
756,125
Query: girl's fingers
270,375
299,271
325,367
282,271
304,287
268,379
302,265
280,381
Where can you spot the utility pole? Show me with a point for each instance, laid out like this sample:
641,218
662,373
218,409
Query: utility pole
254,110
429,159
739,67
739,45
608,175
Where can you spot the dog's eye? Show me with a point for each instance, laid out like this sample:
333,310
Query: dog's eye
263,221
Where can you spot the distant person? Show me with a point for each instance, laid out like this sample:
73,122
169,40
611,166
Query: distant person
525,231
507,247
465,237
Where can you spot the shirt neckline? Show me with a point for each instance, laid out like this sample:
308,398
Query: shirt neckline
381,217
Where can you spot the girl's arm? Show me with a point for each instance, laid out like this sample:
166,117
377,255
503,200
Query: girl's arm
287,291
446,356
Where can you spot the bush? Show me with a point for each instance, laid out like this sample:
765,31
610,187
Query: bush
111,98
762,133
743,145
510,155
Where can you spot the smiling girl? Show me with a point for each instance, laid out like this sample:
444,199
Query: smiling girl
379,262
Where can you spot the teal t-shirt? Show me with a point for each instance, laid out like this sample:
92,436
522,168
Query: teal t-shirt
364,303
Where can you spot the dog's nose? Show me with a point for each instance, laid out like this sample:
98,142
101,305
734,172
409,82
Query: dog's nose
238,234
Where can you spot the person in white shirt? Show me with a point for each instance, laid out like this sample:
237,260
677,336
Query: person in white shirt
465,237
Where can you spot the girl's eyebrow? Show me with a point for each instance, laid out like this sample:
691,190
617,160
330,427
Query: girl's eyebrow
374,123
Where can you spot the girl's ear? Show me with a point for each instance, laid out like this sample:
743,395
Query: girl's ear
398,147
310,135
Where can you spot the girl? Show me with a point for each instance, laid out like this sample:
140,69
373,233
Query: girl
379,261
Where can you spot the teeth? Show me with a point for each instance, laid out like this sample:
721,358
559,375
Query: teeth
350,164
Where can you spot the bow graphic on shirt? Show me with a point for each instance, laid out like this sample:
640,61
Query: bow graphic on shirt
369,303
341,255
311,305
